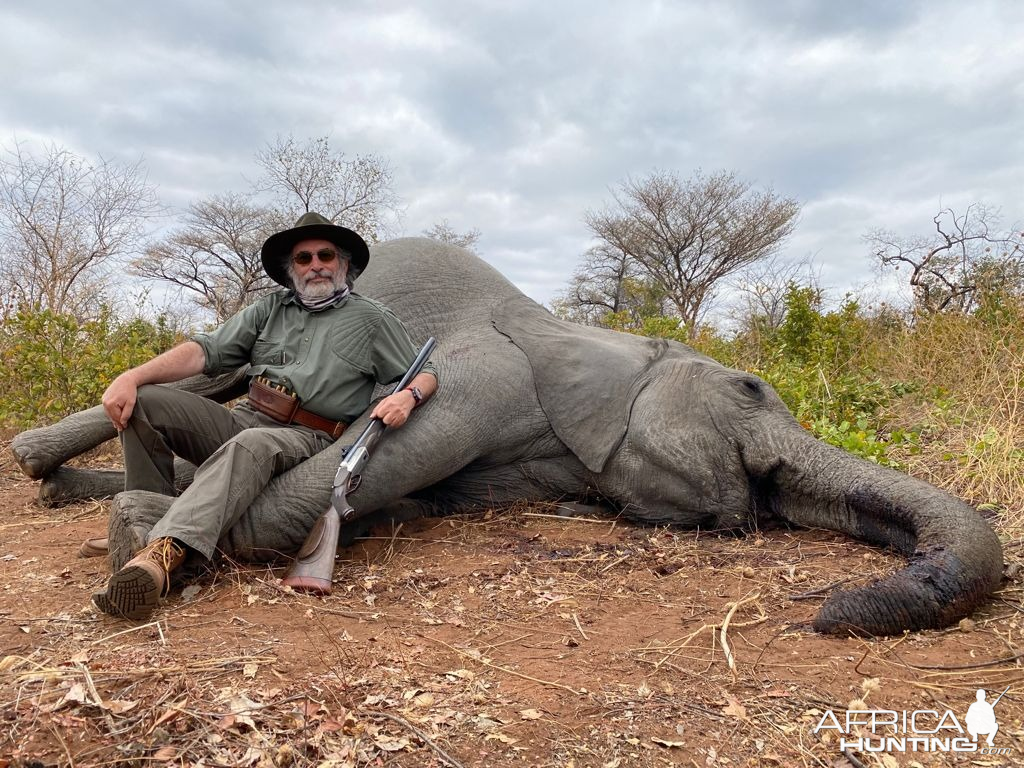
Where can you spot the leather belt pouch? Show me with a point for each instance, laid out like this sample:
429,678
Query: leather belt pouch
275,403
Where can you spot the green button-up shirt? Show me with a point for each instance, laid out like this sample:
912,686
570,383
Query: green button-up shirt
330,359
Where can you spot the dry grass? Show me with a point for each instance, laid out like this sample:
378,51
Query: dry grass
969,407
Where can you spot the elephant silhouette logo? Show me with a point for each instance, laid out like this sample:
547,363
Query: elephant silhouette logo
981,717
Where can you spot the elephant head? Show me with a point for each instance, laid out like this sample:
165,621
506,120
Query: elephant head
673,437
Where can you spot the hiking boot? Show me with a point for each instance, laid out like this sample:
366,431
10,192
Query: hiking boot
97,547
135,590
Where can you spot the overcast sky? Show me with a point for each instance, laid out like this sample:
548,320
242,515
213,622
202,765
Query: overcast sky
516,118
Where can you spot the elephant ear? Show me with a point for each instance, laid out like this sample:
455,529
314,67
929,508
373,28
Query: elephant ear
586,378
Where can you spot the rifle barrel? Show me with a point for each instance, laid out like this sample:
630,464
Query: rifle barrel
1000,696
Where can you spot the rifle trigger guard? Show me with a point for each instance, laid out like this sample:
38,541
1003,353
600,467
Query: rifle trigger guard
353,483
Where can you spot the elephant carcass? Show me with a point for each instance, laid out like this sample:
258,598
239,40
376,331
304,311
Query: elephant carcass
533,408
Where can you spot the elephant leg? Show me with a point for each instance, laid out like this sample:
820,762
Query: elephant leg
494,486
132,516
40,451
404,461
66,485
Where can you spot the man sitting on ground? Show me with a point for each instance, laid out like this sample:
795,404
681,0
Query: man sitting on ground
314,351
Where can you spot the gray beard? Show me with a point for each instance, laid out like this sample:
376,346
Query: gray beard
317,290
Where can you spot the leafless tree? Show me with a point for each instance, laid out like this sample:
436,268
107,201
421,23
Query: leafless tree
310,176
608,282
951,270
64,221
215,256
687,236
446,233
761,292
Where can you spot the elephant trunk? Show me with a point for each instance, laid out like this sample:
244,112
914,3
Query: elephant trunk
955,558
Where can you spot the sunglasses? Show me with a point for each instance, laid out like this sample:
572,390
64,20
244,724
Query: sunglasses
326,256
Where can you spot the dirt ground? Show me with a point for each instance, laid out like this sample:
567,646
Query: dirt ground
513,639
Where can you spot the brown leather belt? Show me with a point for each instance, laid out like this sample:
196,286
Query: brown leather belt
283,407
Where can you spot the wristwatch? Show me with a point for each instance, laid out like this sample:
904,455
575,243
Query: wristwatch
416,394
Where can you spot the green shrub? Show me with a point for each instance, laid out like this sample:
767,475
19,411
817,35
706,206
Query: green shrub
815,360
653,326
52,365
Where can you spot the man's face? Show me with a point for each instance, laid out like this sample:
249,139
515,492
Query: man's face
317,268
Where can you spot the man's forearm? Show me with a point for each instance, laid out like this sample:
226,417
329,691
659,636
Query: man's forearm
180,362
394,409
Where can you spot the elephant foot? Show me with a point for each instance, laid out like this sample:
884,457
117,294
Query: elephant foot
132,516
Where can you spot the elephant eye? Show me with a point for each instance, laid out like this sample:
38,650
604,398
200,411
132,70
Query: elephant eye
751,387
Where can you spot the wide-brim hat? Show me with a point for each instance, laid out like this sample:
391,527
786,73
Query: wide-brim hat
277,251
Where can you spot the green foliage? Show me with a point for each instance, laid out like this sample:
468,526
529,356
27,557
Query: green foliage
814,360
52,365
864,441
813,337
844,411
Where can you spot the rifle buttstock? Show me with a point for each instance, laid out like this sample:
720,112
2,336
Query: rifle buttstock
314,566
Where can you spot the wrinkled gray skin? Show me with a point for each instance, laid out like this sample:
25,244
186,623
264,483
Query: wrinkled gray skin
533,408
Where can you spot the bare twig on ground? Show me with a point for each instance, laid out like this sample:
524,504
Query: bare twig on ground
95,695
480,660
811,593
565,519
420,735
132,629
576,620
722,636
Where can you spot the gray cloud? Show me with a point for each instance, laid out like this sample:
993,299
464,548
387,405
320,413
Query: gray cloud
516,119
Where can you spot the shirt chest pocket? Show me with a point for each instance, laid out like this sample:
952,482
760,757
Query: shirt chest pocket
267,353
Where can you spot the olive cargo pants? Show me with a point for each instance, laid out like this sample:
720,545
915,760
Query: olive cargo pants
238,451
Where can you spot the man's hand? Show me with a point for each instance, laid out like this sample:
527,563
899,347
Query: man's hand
186,359
394,409
119,400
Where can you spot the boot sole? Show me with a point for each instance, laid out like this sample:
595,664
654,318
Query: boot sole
132,593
